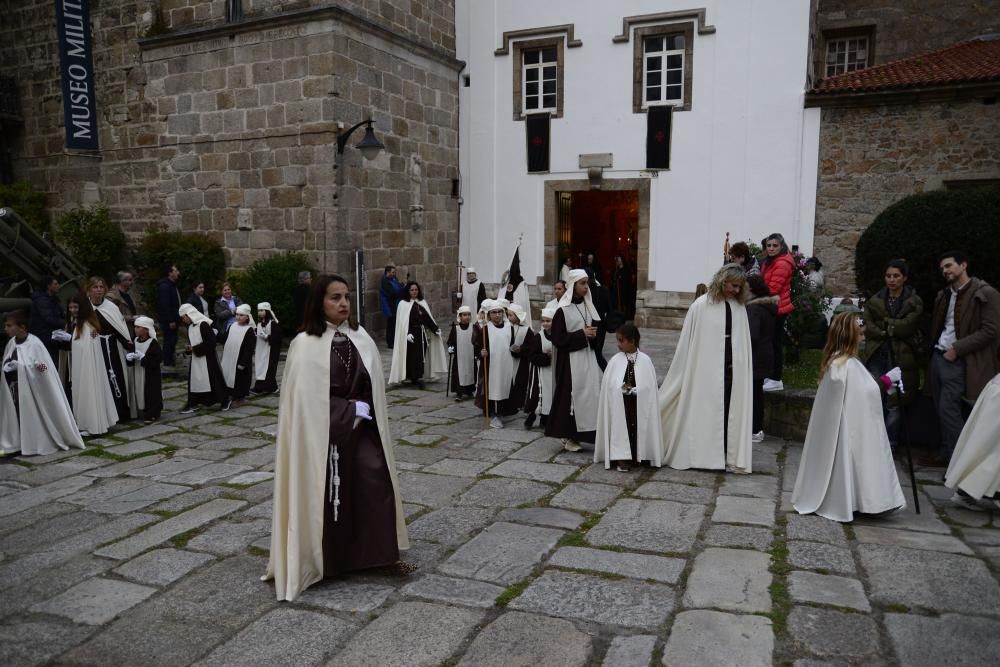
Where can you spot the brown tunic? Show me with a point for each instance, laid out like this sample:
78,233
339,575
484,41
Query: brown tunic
417,350
561,423
364,534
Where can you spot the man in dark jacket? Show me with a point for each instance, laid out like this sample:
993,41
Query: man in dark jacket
168,300
47,313
389,294
965,332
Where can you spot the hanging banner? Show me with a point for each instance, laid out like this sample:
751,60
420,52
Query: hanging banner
77,70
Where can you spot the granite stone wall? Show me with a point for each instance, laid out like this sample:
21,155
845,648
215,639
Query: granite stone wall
231,130
871,157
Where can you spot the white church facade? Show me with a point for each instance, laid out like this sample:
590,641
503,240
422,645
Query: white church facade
647,129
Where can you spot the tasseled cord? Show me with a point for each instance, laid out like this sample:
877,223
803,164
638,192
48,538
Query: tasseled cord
335,480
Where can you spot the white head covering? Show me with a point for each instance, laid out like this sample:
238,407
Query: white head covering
548,313
244,309
517,310
464,309
265,305
470,269
503,303
574,277
491,304
197,317
147,323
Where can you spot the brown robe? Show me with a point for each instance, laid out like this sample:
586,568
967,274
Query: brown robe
561,423
364,534
417,350
519,388
110,346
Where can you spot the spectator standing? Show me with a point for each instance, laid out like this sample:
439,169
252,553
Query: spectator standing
622,290
762,316
121,296
965,328
299,296
225,309
47,313
778,271
168,300
892,337
198,300
814,273
740,254
389,293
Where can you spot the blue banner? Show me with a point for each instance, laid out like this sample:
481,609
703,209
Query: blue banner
77,69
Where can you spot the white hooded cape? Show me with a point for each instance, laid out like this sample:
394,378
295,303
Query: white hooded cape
46,423
846,464
231,350
975,465
692,396
436,362
93,404
520,297
584,371
612,443
303,444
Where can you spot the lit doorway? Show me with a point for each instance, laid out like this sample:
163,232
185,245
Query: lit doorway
603,224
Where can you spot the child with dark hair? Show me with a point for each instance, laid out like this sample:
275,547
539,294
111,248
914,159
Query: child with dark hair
628,423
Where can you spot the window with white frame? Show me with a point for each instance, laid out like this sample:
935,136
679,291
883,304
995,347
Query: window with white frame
539,80
846,54
663,70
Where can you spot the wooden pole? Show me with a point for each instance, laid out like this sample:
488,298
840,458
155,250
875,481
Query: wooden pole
486,374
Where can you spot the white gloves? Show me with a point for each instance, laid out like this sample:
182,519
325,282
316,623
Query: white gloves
409,338
451,349
11,366
895,375
134,356
362,410
629,391
61,336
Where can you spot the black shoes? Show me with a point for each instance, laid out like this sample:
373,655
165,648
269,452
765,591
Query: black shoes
529,421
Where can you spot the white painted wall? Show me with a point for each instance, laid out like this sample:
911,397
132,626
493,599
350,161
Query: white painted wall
743,160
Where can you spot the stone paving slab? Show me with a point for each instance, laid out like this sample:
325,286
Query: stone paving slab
504,553
22,500
705,637
912,540
458,467
597,473
701,478
634,566
540,450
28,588
828,589
162,566
450,525
630,651
347,595
163,531
504,492
682,493
744,537
623,603
731,579
213,472
32,538
815,528
468,592
135,447
278,636
167,468
36,642
431,490
509,435
650,525
946,640
541,472
586,497
152,492
756,486
226,538
145,432
95,601
817,556
834,634
393,640
252,477
756,511
421,455
517,639
542,516
929,579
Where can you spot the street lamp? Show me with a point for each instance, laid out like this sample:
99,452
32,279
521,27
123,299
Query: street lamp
369,146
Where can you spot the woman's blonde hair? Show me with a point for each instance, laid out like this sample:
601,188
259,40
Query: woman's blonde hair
729,273
843,340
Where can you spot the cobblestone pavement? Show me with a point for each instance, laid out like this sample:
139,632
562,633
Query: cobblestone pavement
147,550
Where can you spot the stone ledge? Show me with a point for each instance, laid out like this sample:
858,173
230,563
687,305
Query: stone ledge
786,413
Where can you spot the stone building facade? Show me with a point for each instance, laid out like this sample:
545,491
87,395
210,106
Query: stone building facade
229,126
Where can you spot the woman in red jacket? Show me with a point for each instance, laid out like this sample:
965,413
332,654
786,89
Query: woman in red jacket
777,271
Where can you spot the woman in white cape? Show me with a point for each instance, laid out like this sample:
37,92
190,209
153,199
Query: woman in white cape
975,465
35,416
337,506
846,464
699,429
422,355
93,403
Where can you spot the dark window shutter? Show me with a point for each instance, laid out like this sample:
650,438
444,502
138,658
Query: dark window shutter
658,120
536,127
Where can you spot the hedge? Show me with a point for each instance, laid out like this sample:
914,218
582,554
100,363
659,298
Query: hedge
921,227
94,240
28,202
198,257
273,280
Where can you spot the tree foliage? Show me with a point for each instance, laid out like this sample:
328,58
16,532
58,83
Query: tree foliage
273,280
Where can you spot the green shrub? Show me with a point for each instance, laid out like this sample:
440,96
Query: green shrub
93,239
922,226
28,202
273,280
198,257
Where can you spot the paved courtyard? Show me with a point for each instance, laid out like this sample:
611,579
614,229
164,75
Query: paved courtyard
147,549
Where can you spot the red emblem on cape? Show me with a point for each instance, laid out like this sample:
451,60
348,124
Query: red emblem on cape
536,141
659,136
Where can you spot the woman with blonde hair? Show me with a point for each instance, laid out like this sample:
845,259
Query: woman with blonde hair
706,402
93,402
847,464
